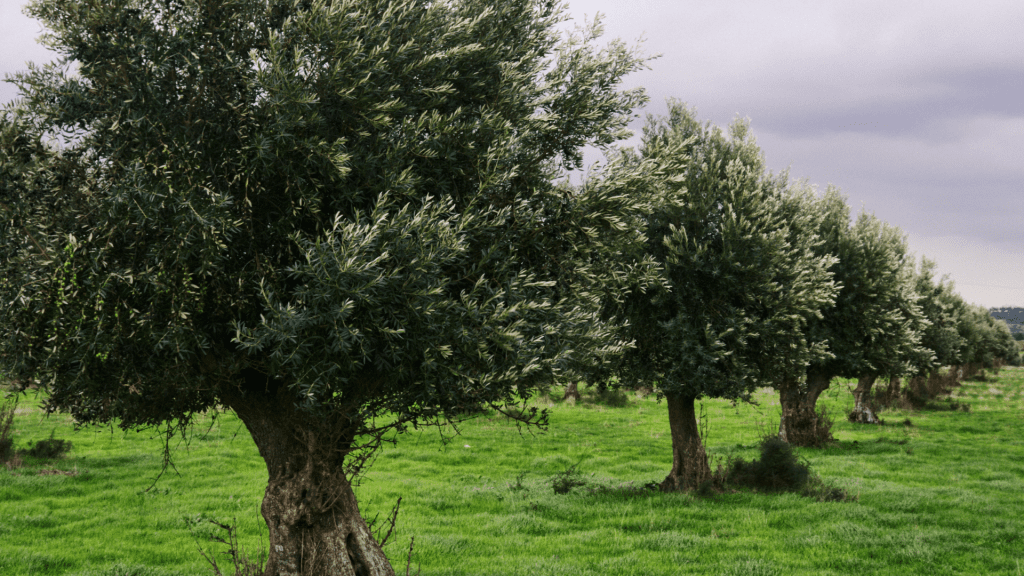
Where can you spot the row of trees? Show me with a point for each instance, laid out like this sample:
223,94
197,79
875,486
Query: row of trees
765,283
343,218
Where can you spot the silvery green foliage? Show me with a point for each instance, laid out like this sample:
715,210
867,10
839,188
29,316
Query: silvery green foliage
984,339
359,197
875,326
937,300
740,278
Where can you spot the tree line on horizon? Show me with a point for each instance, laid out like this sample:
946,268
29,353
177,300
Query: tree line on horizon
1014,318
344,219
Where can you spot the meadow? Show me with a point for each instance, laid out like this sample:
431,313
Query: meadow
935,491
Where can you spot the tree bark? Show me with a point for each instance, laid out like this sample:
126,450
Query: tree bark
817,382
312,516
789,398
571,391
862,413
799,423
895,386
689,460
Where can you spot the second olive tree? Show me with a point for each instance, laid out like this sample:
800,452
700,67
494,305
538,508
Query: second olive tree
738,287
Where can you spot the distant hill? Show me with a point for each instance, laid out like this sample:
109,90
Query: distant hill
1014,318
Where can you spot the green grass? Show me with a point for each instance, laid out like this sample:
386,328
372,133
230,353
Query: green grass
943,496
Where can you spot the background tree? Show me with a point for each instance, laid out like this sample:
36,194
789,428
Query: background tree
940,341
873,326
897,349
731,311
337,219
806,215
987,341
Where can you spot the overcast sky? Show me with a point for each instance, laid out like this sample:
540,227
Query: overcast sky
914,109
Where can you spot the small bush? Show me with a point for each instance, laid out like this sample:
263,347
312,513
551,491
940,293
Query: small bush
778,470
624,490
948,405
242,563
50,448
613,398
565,481
6,451
518,484
13,462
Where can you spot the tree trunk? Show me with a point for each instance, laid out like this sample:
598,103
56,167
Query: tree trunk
791,398
690,466
799,423
895,386
862,413
817,382
311,511
571,391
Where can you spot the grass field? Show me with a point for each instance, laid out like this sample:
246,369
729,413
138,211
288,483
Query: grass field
944,495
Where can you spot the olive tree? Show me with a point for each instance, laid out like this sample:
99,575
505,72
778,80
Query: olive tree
987,341
875,324
737,287
336,218
940,341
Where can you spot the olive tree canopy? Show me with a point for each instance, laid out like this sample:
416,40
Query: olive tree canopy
336,218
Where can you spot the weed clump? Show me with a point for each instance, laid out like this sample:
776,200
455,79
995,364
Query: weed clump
612,397
921,390
817,489
778,469
242,564
50,448
518,484
566,480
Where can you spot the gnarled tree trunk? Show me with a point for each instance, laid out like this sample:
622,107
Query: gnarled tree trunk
689,460
800,424
894,389
817,382
790,399
571,391
863,413
311,511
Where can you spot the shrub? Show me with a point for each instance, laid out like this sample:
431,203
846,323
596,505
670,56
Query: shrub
612,397
241,562
817,489
567,479
50,448
948,405
778,470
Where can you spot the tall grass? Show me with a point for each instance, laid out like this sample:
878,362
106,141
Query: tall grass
938,492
